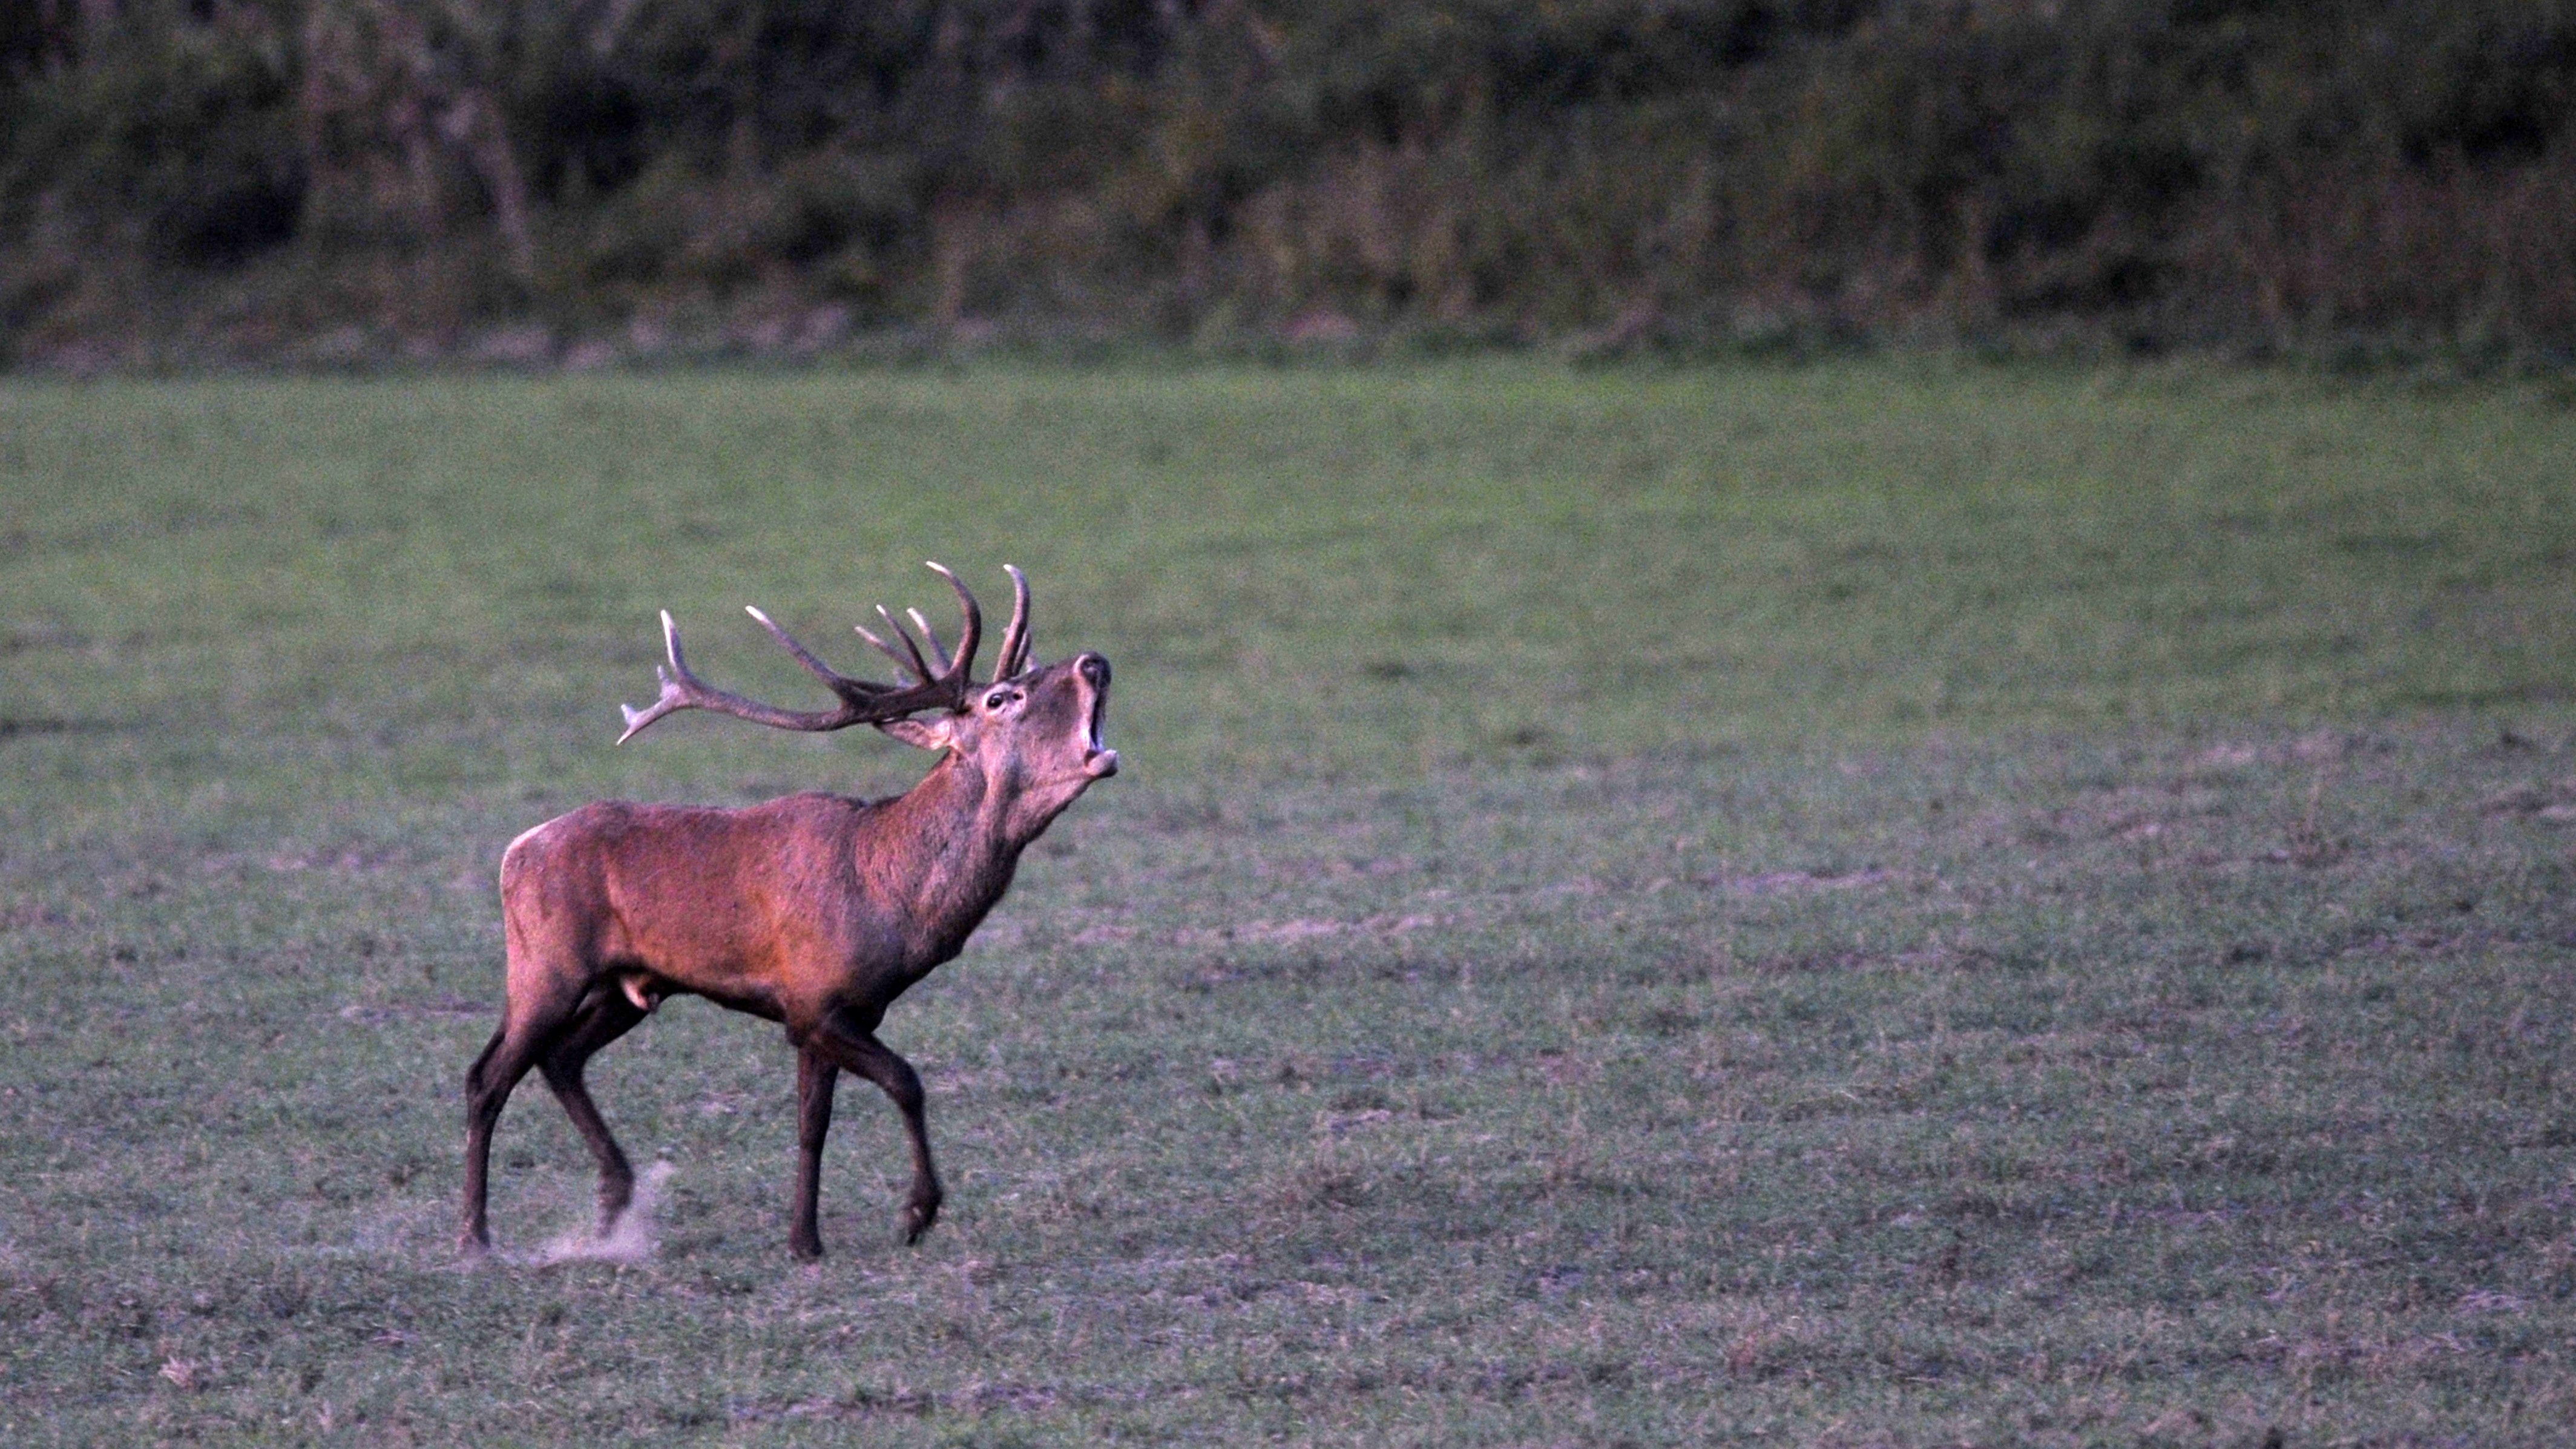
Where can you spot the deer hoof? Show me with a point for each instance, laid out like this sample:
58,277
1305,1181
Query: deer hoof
918,1215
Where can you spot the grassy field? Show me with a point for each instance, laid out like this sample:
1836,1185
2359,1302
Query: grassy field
1867,905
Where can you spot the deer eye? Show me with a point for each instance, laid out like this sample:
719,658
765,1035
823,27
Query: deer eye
997,699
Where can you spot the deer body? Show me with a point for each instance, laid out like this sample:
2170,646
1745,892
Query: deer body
781,910
814,910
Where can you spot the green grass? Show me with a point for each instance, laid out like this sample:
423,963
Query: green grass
1862,905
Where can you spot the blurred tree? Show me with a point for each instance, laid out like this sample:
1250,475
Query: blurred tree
2387,173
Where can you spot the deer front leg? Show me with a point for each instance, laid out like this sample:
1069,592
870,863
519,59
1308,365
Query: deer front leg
815,1076
860,1052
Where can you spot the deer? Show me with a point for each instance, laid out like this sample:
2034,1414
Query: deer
814,910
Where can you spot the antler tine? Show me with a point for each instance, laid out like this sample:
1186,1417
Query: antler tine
882,646
1015,635
929,636
970,631
856,691
911,657
678,685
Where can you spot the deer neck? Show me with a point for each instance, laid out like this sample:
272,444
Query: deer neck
955,827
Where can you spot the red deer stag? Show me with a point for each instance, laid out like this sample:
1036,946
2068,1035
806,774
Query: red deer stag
815,911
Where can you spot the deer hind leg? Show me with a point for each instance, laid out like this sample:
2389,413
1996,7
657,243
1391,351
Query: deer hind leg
844,1046
529,1026
604,1017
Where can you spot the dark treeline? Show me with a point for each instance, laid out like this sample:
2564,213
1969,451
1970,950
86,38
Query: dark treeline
197,180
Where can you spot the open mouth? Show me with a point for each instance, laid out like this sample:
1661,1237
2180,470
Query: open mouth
1098,761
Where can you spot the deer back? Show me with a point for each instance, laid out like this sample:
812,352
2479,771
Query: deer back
753,907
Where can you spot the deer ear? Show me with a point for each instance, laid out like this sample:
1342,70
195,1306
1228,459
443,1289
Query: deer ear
922,734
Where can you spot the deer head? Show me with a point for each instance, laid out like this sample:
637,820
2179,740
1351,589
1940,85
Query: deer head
1033,738
1030,734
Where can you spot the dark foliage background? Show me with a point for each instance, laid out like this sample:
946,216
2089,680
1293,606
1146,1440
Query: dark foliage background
186,180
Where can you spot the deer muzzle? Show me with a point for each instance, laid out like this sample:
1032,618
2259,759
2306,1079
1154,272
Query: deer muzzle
1098,761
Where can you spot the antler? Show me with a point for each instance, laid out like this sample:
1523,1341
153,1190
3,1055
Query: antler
1015,635
941,686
